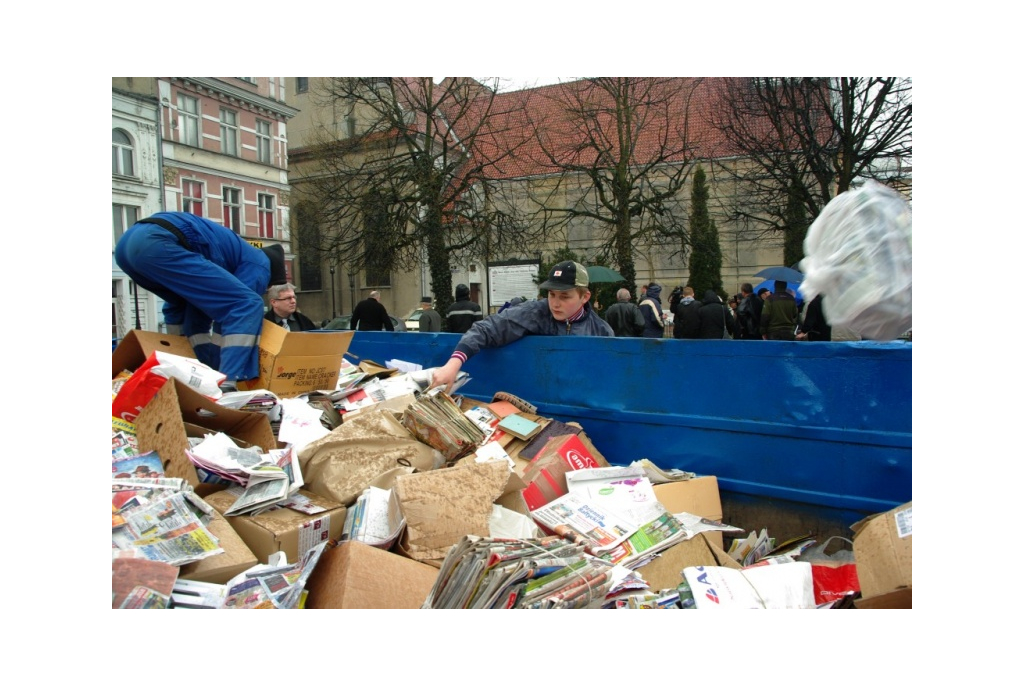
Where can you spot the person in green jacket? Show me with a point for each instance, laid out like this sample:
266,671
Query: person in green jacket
780,316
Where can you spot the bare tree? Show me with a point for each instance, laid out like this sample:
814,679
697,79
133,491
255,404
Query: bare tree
617,150
411,175
803,141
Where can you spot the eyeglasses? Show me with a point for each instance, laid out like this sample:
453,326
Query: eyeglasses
284,299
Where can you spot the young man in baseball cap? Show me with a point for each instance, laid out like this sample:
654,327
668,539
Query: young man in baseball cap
566,311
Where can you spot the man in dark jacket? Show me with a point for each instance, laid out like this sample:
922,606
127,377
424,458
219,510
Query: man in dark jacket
814,327
748,314
371,315
779,317
715,319
687,322
284,309
463,312
624,317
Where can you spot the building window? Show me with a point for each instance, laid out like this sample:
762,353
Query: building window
263,141
233,209
266,212
124,217
123,154
229,132
188,120
350,125
247,79
192,197
301,84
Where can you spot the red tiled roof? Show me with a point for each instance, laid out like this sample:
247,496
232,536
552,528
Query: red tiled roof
676,125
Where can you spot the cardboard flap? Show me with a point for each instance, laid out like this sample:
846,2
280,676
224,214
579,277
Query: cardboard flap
300,344
161,426
883,549
357,576
221,568
666,569
135,348
293,363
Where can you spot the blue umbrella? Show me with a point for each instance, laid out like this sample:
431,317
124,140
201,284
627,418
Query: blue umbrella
780,273
770,285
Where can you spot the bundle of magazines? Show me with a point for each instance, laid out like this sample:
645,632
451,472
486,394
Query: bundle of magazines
540,573
436,420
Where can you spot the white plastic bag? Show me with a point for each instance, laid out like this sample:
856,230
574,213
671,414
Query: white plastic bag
859,257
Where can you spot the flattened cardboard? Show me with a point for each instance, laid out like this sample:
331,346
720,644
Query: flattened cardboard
443,505
178,412
355,575
885,558
666,569
697,496
283,530
293,363
135,348
220,568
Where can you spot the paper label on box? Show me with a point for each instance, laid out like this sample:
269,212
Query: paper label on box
313,533
905,522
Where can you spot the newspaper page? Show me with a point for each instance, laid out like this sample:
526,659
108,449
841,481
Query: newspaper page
167,530
624,490
581,519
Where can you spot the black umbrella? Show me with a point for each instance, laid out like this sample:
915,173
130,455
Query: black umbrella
780,273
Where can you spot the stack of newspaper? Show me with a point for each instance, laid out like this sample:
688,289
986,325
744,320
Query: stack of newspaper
540,573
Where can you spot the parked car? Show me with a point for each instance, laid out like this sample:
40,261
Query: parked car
344,323
412,320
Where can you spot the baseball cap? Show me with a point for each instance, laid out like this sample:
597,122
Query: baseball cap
566,276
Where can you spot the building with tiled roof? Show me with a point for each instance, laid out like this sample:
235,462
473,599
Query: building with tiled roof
543,147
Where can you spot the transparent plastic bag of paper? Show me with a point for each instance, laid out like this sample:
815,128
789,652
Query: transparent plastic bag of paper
859,257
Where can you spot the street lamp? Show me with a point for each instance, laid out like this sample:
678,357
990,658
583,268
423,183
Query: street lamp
334,301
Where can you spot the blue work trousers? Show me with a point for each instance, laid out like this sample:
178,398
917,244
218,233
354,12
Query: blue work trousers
197,292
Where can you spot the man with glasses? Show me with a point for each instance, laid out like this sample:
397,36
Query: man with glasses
283,309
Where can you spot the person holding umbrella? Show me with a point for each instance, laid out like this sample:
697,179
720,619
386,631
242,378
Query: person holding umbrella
779,318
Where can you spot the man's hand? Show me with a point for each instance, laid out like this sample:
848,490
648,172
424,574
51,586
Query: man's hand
445,375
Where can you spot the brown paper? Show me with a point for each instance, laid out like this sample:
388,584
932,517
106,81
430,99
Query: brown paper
367,449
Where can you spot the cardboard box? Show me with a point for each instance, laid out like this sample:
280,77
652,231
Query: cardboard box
220,568
354,575
666,569
296,363
177,412
283,530
883,547
443,505
544,476
697,496
135,348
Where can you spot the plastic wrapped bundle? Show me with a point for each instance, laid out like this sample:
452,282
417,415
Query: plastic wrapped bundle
859,257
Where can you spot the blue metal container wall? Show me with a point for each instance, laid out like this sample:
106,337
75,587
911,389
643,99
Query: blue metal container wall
826,424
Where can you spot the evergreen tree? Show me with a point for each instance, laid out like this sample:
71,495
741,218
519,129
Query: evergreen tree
706,255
